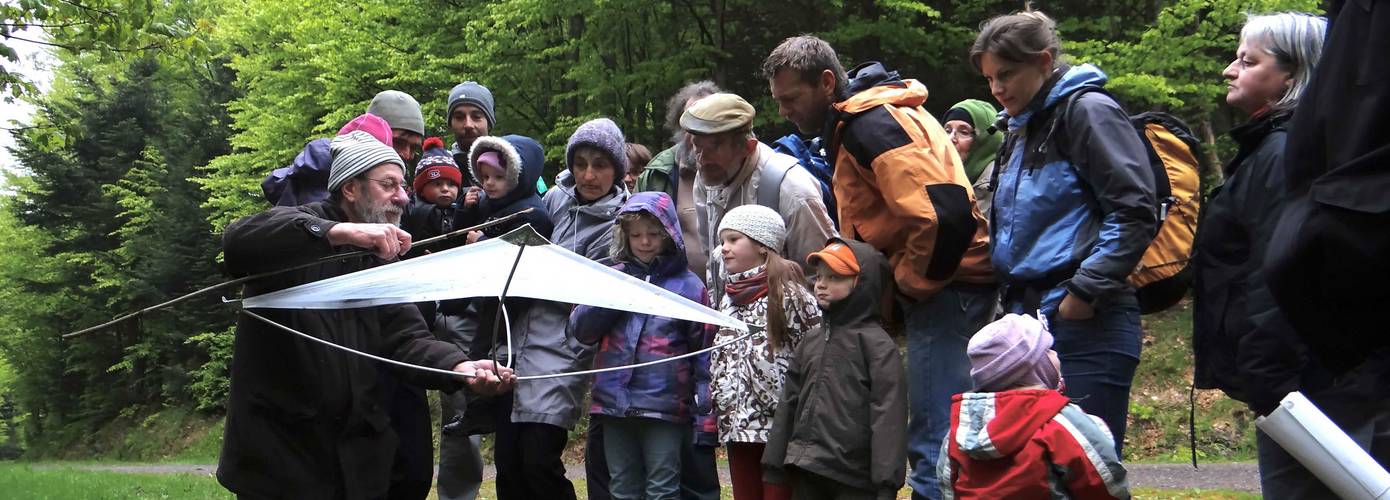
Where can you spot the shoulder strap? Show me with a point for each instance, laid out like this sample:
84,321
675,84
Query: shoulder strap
770,177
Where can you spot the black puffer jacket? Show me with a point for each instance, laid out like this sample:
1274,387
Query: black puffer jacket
1235,230
304,420
843,412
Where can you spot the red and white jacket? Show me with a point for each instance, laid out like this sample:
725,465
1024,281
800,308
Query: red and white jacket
1027,444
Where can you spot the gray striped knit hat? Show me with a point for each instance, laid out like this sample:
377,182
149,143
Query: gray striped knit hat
356,152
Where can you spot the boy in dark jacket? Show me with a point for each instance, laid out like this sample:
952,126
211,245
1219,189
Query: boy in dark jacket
841,428
437,186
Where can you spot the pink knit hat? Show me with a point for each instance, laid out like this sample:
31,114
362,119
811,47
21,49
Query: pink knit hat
371,124
1011,352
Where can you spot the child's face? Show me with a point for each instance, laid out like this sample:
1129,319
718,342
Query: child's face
493,181
740,252
646,238
441,192
831,287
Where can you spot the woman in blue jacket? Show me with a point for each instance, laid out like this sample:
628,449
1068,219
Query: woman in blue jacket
1074,208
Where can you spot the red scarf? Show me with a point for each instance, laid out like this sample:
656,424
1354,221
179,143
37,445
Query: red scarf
747,290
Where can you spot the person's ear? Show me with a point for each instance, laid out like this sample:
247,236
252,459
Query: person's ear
827,83
1046,62
352,190
750,146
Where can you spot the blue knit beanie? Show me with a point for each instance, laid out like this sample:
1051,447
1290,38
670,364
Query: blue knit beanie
601,134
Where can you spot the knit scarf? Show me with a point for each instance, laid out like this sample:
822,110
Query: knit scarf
747,289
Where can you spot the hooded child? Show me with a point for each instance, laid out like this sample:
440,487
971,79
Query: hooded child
841,427
646,411
505,169
1017,435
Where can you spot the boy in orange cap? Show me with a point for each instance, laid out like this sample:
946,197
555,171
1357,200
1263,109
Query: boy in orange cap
841,428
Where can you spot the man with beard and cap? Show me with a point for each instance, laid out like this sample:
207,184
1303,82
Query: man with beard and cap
305,420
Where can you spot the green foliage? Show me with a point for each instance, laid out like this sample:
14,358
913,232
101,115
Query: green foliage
164,117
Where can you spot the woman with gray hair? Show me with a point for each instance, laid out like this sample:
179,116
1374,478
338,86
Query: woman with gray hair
1241,342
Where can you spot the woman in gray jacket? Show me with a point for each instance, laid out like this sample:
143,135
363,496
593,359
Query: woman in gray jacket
533,429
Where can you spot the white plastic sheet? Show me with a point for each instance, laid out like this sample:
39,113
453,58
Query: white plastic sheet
1306,433
546,271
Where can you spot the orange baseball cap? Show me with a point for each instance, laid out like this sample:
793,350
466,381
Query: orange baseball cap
838,256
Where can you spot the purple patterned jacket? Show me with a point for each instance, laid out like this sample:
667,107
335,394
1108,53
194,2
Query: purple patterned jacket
675,391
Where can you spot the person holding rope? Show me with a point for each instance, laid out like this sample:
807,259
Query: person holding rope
304,421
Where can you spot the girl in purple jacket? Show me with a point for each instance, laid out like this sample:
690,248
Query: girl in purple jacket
646,411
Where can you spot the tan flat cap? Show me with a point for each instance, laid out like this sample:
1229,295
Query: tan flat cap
717,113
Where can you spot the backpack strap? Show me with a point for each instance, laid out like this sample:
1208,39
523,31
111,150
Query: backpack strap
770,176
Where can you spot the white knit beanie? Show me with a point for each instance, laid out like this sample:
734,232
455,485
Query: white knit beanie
760,223
356,152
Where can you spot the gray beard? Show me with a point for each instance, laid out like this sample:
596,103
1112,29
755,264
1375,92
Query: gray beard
365,212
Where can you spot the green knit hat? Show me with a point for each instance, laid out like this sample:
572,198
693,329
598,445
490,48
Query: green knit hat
986,145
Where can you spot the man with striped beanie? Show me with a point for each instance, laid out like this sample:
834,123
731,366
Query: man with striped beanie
303,420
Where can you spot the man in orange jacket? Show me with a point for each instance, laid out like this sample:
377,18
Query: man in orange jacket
901,188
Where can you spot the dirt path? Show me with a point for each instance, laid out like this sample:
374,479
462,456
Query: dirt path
1240,476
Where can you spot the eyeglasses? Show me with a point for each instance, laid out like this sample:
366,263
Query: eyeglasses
390,185
961,132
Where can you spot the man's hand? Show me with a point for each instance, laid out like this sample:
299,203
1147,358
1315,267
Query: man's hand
488,378
1074,309
385,240
474,194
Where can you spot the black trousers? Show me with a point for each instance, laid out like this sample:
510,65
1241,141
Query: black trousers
527,457
412,472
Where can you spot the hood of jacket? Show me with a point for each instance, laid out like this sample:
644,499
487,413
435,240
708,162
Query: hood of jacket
870,85
986,144
659,205
1064,81
524,160
998,424
865,301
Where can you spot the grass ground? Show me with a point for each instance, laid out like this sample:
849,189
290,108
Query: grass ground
21,480
18,480
1158,407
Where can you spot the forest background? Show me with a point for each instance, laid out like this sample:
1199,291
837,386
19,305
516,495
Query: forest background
164,116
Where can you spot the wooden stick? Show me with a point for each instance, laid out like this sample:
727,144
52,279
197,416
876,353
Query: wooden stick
330,258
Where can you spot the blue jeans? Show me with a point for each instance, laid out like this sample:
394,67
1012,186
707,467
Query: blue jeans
1099,356
937,368
644,458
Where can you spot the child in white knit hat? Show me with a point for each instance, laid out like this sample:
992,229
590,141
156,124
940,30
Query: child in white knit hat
767,291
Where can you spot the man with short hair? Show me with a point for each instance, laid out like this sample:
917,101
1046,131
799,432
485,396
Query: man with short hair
735,169
407,123
901,188
304,420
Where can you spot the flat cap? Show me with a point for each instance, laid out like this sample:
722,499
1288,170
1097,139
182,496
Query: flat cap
717,113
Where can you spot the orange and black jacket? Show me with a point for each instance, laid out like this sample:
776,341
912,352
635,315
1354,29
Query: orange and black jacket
901,186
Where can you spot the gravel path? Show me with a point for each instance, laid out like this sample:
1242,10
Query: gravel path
1238,476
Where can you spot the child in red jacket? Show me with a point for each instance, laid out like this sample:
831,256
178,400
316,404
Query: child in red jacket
1017,436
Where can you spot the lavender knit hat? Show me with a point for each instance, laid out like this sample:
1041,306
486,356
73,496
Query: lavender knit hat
1011,352
757,222
604,135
